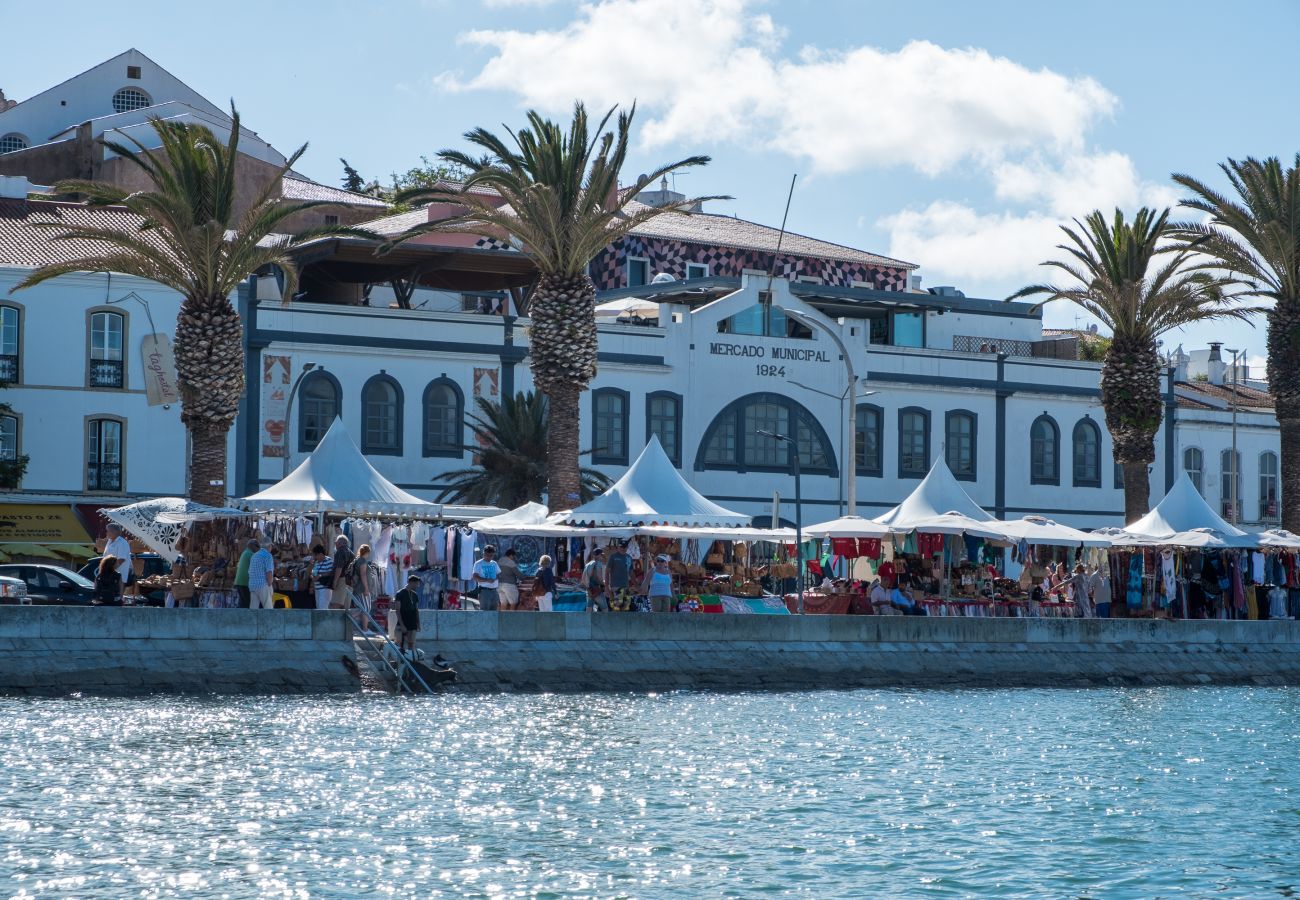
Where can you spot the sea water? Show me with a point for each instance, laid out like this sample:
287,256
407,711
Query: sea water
1033,793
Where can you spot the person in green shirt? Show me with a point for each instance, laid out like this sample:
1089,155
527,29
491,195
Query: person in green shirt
241,573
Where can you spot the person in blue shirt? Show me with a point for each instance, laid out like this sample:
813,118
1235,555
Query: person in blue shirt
322,573
901,598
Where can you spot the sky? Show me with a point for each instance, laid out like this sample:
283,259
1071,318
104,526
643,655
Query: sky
951,134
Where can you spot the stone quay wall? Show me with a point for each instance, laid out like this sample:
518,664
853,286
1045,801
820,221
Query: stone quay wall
140,650
622,651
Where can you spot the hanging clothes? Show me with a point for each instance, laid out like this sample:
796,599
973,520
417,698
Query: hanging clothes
1133,592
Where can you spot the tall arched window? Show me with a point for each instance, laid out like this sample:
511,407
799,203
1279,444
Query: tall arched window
444,418
10,344
129,98
663,419
732,440
381,416
1230,484
1044,451
609,426
107,364
959,443
1194,466
8,437
1268,506
1087,453
913,442
12,143
104,455
319,404
867,440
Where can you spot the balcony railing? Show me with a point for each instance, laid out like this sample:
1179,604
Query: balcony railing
965,343
106,373
104,477
8,369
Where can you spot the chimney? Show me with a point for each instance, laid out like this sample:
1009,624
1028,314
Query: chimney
1215,365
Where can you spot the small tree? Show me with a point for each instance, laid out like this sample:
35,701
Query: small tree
352,180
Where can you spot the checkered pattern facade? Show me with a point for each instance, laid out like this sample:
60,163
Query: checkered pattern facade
671,256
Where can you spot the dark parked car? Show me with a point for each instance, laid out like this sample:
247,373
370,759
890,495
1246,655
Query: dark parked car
51,585
153,565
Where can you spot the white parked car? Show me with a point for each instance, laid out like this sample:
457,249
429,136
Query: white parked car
13,590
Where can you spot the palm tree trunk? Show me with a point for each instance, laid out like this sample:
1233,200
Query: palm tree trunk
210,376
1137,491
564,486
562,351
1284,383
1130,393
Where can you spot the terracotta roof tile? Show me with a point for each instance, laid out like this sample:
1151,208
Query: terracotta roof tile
305,189
28,247
1246,396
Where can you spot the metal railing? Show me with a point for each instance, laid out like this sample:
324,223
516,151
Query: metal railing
106,373
396,663
104,476
965,343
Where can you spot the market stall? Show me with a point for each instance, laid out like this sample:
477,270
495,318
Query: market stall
852,539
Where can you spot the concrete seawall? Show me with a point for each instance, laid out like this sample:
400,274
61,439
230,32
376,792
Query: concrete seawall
56,650
581,651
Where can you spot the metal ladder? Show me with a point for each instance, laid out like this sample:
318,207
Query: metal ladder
378,642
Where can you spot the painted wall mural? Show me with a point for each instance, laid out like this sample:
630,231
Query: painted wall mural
671,256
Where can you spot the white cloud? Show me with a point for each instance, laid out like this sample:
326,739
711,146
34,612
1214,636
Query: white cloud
714,69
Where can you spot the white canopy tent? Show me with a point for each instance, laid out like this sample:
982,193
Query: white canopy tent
939,505
653,493
1184,510
1279,539
160,522
1042,531
336,478
847,527
516,521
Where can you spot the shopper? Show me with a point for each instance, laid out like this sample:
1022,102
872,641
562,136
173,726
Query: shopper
322,573
108,584
658,586
544,586
261,577
487,578
408,614
509,580
119,548
365,584
1100,584
343,559
1080,588
595,582
241,573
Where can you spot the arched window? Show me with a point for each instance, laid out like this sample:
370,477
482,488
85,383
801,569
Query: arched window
913,442
1044,451
1229,485
867,440
1268,507
104,453
444,419
129,98
10,344
663,419
381,416
732,440
609,426
319,404
12,142
8,438
1194,466
107,365
1087,453
959,444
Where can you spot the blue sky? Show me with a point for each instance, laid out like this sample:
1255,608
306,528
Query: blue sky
952,134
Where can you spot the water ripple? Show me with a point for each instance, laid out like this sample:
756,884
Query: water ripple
1026,793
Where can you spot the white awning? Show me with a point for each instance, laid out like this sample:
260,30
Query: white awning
1183,509
848,527
1044,532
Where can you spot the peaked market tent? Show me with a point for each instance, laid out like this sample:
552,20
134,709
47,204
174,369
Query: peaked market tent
338,479
940,505
1184,510
652,492
848,527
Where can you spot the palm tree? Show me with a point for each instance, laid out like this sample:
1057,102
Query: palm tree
562,201
1256,236
192,238
1121,280
512,456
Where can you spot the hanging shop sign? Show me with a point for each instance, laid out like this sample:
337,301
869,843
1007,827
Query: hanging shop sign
159,370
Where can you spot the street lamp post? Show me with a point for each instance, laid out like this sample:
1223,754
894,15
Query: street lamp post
288,415
792,453
851,456
1235,485
850,440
